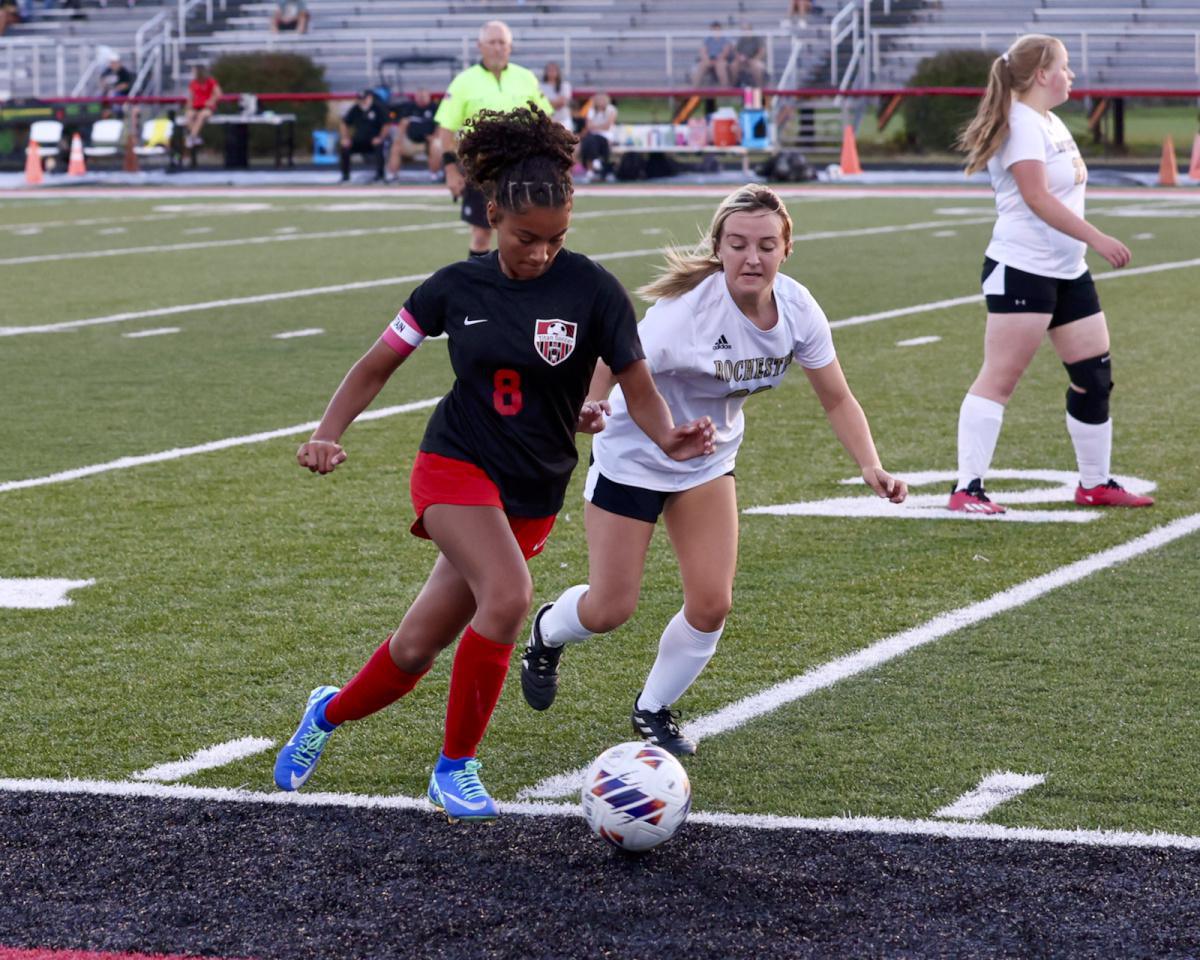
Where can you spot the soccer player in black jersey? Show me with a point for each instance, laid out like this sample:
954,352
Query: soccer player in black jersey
526,325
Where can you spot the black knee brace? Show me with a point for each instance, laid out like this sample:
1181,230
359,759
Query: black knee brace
1094,376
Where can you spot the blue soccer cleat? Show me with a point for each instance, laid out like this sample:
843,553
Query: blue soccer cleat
298,758
455,789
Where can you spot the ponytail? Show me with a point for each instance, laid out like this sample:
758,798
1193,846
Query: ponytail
1012,73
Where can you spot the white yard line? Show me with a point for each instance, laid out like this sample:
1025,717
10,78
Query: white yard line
293,334
978,297
206,759
873,825
410,278
124,463
992,790
889,648
320,235
38,593
156,332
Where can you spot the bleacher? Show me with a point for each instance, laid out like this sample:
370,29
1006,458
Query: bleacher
648,44
1123,43
600,43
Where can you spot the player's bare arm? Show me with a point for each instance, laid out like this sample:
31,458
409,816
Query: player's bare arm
650,412
322,452
1030,176
850,426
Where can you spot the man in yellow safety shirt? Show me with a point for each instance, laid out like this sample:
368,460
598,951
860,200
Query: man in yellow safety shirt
491,84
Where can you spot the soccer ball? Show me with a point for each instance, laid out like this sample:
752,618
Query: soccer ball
636,795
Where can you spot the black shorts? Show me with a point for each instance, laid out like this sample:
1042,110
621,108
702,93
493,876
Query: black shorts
1009,290
474,207
637,503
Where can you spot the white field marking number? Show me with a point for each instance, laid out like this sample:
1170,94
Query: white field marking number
1060,488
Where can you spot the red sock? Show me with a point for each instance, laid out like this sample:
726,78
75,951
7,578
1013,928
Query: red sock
379,683
480,666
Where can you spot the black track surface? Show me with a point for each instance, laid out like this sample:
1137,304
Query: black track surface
243,880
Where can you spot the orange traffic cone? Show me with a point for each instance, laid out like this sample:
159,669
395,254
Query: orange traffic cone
33,163
849,162
1194,166
1168,173
76,166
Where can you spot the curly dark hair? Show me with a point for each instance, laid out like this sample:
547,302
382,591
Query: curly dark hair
520,158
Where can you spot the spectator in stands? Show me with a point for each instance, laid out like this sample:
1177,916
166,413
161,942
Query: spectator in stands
595,147
362,132
558,92
749,59
412,127
1035,279
115,81
290,15
798,11
491,84
10,14
716,53
204,94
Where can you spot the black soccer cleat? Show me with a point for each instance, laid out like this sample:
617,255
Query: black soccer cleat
539,667
661,727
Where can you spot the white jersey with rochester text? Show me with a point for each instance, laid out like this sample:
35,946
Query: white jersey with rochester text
707,357
1021,238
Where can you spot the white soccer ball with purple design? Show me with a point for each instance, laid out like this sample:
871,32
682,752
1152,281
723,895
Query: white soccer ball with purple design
636,795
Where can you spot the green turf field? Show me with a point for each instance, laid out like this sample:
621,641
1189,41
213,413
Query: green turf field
229,583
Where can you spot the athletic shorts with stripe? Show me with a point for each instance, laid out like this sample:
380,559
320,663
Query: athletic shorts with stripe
1009,290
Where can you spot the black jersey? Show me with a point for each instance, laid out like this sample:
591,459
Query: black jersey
523,353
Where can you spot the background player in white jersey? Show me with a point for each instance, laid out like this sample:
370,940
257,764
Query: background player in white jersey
726,325
1034,276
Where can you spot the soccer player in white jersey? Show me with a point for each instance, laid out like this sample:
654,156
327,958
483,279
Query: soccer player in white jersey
725,325
1034,276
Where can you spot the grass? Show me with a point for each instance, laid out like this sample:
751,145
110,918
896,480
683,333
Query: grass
230,583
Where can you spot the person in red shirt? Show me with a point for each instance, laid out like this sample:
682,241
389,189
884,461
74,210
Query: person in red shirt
204,93
525,325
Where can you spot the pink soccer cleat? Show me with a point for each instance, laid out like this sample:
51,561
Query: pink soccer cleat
1110,494
972,499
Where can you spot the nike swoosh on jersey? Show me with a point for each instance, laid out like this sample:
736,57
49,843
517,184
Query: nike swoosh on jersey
469,804
468,322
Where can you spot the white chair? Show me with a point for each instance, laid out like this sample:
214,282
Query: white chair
105,138
47,134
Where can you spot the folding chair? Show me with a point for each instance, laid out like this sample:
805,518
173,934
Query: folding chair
104,139
47,134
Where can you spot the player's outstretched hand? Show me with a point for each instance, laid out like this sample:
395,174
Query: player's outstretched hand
591,416
694,439
1113,250
885,485
320,456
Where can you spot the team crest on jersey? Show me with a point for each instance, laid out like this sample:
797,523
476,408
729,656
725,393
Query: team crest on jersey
554,339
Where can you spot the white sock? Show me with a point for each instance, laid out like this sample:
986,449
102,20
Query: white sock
683,652
979,421
1093,450
560,624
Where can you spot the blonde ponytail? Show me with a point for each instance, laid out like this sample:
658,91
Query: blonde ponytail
1012,73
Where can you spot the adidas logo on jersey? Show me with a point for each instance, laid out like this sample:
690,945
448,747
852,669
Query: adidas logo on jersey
722,343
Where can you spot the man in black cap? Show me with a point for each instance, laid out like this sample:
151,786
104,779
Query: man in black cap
362,132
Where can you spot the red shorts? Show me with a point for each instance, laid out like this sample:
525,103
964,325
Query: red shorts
438,479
